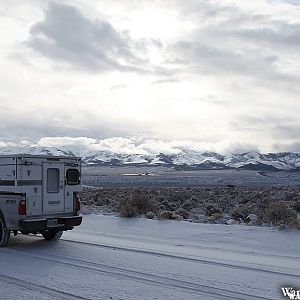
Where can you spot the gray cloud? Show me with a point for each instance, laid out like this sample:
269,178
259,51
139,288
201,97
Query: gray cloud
272,33
291,147
293,2
215,100
209,59
231,41
30,125
95,45
278,128
166,80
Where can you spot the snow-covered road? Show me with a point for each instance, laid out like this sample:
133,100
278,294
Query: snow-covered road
113,258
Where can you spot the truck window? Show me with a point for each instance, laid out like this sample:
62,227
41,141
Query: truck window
73,177
52,180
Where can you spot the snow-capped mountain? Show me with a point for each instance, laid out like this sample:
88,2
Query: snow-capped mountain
186,159
111,158
249,160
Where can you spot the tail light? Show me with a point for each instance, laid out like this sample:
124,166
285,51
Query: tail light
22,208
76,203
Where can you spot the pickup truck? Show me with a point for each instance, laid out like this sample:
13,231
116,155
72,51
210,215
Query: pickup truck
39,194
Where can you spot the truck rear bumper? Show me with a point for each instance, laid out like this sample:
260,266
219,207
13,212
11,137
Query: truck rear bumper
61,223
33,225
70,221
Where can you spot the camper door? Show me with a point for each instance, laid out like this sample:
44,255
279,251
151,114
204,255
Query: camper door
53,188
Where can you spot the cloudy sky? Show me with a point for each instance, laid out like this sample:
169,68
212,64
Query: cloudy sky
205,72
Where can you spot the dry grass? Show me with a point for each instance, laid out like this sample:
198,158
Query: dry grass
136,204
278,213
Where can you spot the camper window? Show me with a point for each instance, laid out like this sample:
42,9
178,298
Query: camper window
73,177
52,180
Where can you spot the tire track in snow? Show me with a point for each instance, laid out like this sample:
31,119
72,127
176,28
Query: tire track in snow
39,288
206,247
185,258
142,277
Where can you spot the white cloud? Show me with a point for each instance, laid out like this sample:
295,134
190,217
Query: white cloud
135,145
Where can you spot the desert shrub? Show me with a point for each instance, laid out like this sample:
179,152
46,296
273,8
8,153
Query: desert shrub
173,206
166,203
211,210
179,197
278,213
296,206
236,213
294,223
216,216
139,203
263,203
244,200
162,207
166,215
178,217
241,211
142,203
182,212
126,208
150,215
189,204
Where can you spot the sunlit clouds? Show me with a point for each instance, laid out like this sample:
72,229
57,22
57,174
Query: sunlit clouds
205,72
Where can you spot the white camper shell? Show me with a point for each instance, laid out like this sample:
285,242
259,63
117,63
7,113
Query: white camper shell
39,194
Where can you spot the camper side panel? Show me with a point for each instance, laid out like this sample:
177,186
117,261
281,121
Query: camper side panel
30,183
8,169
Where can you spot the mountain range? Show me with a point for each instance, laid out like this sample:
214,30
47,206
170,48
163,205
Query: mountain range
185,160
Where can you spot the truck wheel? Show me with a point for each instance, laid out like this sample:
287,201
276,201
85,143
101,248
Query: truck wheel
4,233
51,235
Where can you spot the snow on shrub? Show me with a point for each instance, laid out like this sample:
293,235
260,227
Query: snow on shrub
276,205
296,206
166,215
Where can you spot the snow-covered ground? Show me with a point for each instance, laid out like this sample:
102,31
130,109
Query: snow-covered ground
114,258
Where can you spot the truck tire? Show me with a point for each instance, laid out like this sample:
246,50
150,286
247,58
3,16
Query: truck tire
51,235
4,233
